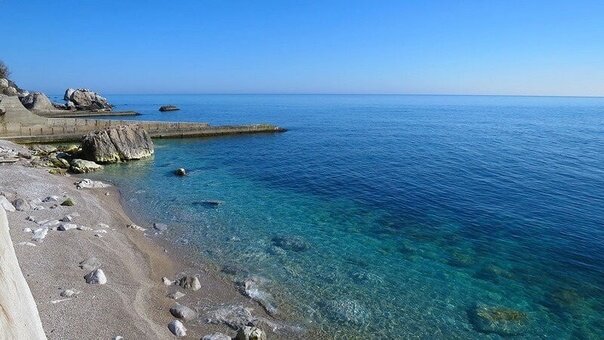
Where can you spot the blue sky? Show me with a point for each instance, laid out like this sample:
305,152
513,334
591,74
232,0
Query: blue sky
375,46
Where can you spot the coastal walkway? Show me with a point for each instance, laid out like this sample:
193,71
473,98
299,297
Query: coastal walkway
19,125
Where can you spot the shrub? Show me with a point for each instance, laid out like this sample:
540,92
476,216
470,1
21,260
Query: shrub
4,71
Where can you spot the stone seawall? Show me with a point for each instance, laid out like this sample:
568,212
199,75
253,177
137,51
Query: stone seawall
19,317
20,125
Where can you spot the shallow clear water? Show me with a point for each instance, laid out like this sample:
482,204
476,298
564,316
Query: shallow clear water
410,210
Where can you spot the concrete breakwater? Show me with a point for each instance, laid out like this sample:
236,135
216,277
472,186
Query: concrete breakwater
20,125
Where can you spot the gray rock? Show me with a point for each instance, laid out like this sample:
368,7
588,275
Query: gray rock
176,295
90,184
67,218
90,263
167,108
96,276
11,91
6,204
233,316
84,99
250,333
39,234
43,149
116,144
21,205
80,166
37,101
69,293
3,83
180,172
216,336
189,282
67,226
183,312
30,218
177,328
160,227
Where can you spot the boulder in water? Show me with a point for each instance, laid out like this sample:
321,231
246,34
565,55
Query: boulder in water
84,99
116,144
167,108
180,172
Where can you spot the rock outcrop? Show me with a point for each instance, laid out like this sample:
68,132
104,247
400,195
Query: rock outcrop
37,101
84,99
122,143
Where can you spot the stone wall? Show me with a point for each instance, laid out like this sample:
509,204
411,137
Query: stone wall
19,318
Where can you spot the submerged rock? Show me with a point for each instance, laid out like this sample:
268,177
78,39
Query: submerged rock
288,242
161,227
348,311
96,276
116,144
183,312
251,287
177,328
499,320
209,203
250,333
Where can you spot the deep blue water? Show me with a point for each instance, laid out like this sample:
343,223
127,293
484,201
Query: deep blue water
413,209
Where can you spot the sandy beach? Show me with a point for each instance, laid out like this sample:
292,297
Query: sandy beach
134,301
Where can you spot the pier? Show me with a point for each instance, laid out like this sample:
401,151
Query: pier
20,125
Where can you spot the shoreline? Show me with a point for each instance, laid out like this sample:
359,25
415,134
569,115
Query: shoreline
134,302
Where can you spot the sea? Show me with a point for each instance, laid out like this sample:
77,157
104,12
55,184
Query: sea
390,216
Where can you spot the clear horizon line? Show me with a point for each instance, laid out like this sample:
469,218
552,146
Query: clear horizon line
357,94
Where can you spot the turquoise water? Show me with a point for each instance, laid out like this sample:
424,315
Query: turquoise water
392,216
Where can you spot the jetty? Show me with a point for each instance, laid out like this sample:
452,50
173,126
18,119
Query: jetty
20,125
